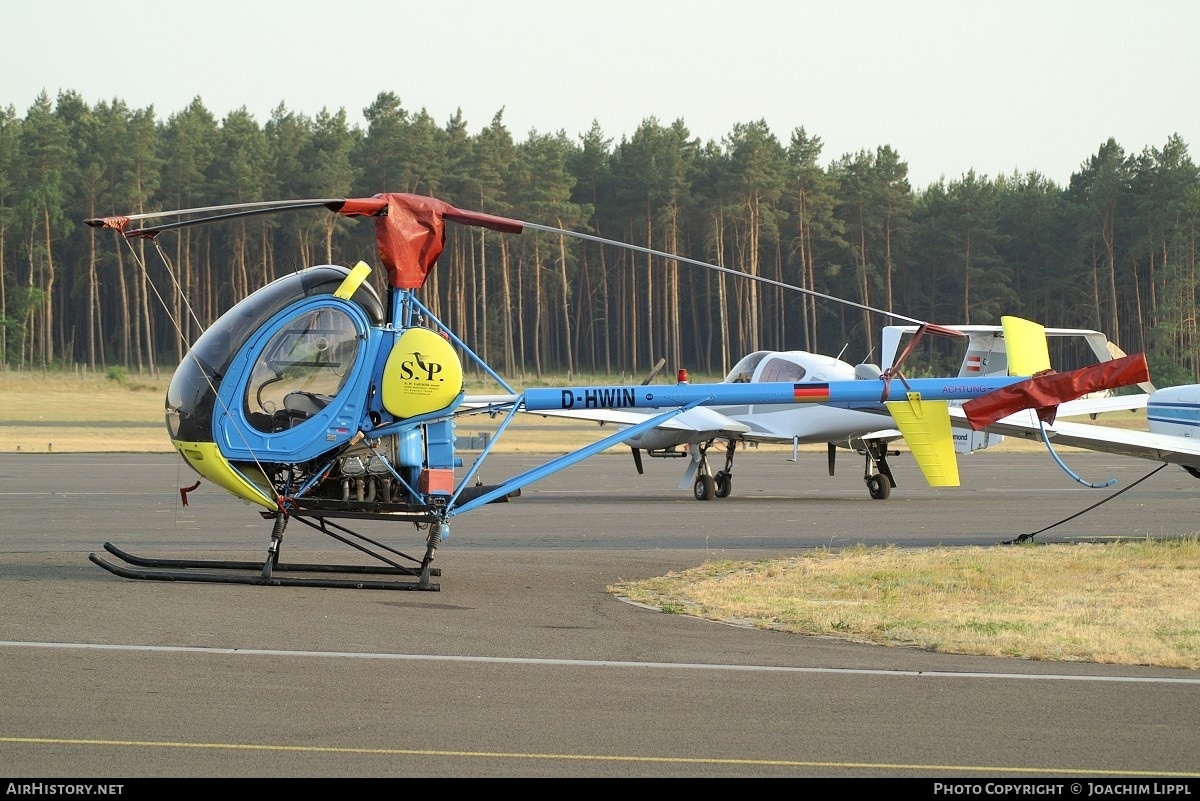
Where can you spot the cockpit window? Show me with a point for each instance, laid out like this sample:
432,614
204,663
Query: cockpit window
743,371
782,370
192,395
301,369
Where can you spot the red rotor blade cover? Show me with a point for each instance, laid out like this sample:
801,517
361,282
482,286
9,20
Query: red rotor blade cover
410,232
1044,392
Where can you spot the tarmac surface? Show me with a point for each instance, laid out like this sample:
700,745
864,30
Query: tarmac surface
522,664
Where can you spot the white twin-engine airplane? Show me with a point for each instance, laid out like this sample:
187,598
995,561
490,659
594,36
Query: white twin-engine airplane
692,433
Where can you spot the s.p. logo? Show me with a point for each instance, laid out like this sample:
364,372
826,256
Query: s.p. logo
423,374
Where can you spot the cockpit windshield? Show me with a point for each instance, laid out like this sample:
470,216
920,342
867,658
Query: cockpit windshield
301,369
743,371
774,368
779,369
192,394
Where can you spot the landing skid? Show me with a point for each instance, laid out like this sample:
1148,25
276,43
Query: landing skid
264,573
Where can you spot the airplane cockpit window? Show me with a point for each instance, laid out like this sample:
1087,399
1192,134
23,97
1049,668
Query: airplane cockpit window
743,371
302,368
783,370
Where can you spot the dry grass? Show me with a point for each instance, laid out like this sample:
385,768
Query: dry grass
1128,602
81,413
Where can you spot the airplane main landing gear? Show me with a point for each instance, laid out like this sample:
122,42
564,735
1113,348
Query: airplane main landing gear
877,474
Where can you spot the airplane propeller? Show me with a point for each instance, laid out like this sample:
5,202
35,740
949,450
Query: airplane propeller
637,452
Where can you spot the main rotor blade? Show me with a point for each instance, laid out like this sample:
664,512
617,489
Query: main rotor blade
760,279
1044,393
352,206
97,222
242,210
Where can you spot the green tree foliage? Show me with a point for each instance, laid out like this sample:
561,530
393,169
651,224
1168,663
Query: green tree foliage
815,232
1161,263
48,169
1115,249
759,173
1098,193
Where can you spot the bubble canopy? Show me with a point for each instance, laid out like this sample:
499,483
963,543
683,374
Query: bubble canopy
191,395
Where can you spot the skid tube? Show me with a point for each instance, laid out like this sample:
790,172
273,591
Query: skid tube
264,573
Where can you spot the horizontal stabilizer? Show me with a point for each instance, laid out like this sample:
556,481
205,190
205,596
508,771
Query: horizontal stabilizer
926,429
1171,449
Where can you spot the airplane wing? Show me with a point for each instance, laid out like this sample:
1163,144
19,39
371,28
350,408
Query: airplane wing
1096,406
701,419
1182,451
883,435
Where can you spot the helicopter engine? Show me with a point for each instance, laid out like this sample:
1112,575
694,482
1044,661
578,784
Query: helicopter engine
366,473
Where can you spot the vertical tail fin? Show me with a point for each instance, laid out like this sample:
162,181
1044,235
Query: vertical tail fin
984,356
1025,341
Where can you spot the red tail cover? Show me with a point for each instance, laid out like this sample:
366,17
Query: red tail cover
1044,392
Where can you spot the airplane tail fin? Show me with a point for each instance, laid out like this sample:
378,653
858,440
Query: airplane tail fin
1028,353
985,355
1021,349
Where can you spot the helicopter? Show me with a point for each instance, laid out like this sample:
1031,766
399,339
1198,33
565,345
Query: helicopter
317,400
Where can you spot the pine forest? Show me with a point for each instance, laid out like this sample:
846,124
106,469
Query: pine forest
1116,249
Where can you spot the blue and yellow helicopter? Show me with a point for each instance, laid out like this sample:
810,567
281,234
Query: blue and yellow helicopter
318,400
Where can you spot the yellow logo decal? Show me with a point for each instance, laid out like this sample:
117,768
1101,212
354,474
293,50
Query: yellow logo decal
423,374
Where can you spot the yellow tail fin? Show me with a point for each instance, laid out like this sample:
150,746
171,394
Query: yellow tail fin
926,428
1025,343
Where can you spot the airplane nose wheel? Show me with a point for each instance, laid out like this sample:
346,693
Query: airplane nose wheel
708,486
